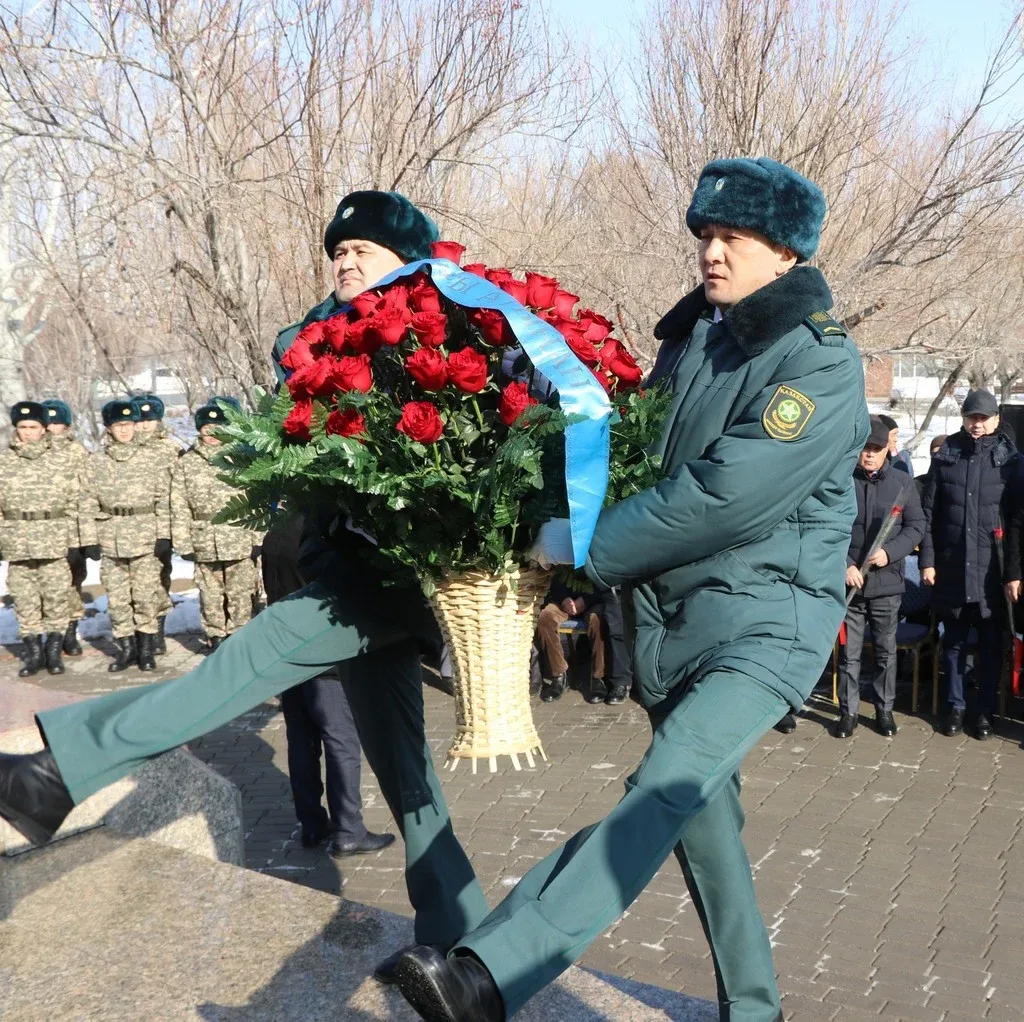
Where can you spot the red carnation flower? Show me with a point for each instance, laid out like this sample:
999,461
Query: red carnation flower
353,373
425,298
467,369
430,328
448,250
334,331
298,355
515,399
360,338
493,327
617,360
477,269
312,380
345,422
564,302
515,288
299,419
421,421
595,326
428,368
540,290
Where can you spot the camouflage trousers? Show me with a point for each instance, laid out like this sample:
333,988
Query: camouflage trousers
166,604
40,593
225,594
76,608
134,593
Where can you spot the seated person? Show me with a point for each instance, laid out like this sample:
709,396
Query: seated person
602,614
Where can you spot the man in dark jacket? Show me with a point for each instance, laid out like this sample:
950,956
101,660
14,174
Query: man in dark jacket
877,581
734,563
966,497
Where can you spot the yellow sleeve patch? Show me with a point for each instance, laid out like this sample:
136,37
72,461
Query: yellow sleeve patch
786,415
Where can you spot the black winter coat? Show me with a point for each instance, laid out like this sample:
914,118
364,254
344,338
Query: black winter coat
875,498
969,486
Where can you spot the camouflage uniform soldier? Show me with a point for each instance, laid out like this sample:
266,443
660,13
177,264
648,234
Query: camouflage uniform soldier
74,457
38,510
128,495
150,429
225,555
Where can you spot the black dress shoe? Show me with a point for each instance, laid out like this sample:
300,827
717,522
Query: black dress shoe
884,723
449,989
954,724
596,691
616,694
370,842
552,689
845,726
982,728
33,798
787,725
387,970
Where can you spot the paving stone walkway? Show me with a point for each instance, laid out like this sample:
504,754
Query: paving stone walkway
891,873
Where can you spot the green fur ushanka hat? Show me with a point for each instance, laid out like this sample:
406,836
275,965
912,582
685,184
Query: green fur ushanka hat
28,411
58,411
761,195
213,412
148,407
118,411
387,218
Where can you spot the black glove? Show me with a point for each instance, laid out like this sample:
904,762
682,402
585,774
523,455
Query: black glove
94,552
187,557
254,554
162,548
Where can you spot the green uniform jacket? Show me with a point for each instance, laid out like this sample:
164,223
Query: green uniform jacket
197,494
73,458
37,507
284,338
737,558
128,495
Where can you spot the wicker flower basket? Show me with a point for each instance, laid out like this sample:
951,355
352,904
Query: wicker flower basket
488,623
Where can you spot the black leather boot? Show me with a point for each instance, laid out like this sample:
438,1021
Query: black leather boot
124,657
33,656
54,641
33,798
144,644
553,688
160,642
449,989
386,971
72,647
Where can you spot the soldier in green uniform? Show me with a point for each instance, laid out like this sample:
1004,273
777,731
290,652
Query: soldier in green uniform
154,436
38,526
127,495
736,563
224,555
74,459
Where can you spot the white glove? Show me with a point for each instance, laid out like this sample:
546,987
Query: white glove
553,544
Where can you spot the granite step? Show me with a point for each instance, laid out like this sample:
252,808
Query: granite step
102,926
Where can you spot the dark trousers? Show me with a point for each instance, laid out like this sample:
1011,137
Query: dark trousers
317,715
882,614
988,660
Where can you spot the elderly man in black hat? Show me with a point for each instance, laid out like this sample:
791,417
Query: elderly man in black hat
973,478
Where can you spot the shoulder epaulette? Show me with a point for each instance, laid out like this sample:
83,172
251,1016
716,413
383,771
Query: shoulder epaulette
825,328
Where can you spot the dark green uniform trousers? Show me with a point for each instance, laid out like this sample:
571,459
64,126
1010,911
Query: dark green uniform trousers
684,795
374,630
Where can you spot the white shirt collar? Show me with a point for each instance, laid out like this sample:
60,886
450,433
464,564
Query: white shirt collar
717,318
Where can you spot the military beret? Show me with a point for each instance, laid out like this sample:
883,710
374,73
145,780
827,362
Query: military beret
761,195
28,411
58,411
980,402
148,406
118,411
387,218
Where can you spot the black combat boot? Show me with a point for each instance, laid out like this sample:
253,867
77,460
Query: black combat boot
71,645
54,641
144,642
33,656
125,656
159,642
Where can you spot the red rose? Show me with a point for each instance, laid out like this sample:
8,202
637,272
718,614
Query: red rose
421,421
564,302
595,327
430,328
448,250
334,331
581,347
498,275
387,326
312,380
515,399
299,420
428,368
467,369
360,338
493,326
353,373
477,269
617,360
298,355
604,379
313,333
424,298
515,288
364,304
540,290
396,299
345,422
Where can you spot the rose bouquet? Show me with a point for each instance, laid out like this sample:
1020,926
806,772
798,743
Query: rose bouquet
447,432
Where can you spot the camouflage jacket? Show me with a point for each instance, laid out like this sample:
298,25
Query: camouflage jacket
197,494
37,504
128,496
162,446
73,458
